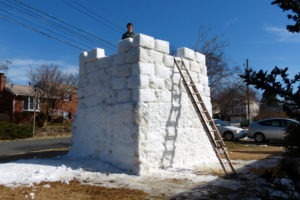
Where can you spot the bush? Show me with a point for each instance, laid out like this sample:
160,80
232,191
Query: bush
10,131
59,119
292,140
41,119
4,117
27,116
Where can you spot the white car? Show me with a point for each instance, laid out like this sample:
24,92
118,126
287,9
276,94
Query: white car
230,132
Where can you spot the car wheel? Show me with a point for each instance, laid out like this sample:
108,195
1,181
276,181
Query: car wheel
228,136
259,137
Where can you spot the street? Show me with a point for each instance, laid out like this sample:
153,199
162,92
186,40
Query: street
11,150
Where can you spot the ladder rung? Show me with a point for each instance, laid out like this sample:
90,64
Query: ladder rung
169,151
175,107
170,137
171,124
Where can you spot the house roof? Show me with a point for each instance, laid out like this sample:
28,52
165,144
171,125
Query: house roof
20,90
23,90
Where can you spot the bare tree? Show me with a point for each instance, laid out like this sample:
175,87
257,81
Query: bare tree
51,85
218,70
4,64
224,100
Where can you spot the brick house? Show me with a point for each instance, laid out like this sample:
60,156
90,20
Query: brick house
17,101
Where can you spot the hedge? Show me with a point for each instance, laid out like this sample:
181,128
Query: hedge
10,131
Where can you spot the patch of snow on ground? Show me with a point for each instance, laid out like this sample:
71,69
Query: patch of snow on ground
29,172
65,169
46,186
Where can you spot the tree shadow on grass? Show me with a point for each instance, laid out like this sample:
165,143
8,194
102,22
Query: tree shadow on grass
255,180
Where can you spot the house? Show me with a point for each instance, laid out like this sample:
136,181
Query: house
239,110
16,101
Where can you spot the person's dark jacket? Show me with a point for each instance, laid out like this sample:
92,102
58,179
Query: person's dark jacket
127,35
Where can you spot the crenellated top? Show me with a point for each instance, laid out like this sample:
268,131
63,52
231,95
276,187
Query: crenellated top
128,48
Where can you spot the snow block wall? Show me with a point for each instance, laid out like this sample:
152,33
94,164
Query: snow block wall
134,111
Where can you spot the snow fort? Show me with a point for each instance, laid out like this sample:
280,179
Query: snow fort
134,112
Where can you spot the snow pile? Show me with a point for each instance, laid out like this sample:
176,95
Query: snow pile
169,182
134,111
35,171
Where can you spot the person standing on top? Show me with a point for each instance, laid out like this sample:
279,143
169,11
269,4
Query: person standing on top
129,32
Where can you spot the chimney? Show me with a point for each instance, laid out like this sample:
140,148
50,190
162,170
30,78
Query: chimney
2,81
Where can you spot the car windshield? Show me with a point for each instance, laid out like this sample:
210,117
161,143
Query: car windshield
221,122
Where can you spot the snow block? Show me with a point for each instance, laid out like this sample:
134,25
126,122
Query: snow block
125,45
142,40
119,58
200,58
138,55
168,61
162,71
119,83
142,68
134,112
144,95
195,67
137,81
95,54
82,57
186,53
162,46
124,96
123,70
157,57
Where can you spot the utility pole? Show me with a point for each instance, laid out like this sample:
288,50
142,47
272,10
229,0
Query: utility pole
248,97
34,111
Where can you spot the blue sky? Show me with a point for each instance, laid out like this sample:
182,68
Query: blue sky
254,29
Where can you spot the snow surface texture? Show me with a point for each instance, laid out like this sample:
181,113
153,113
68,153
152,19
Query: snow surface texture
134,112
169,182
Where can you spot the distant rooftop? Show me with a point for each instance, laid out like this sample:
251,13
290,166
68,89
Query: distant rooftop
20,90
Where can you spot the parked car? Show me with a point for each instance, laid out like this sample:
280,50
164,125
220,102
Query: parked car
230,132
269,129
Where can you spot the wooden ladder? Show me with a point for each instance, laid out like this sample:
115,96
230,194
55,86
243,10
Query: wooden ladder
204,116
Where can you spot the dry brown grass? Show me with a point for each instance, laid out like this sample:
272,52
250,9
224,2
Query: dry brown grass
73,191
240,151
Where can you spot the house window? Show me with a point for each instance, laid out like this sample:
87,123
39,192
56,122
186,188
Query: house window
29,104
67,97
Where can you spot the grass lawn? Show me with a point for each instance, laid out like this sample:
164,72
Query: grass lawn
251,151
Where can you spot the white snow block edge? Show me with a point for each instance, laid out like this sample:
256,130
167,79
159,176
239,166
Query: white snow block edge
142,40
186,53
82,57
200,58
95,54
162,46
125,45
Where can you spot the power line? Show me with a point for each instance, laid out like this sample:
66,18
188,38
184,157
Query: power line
35,30
93,15
78,35
49,30
63,22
